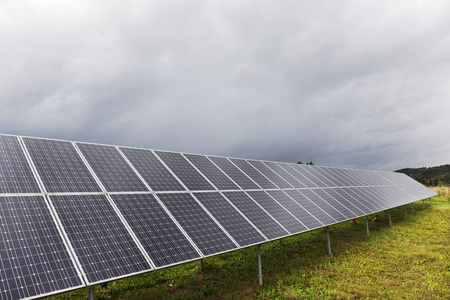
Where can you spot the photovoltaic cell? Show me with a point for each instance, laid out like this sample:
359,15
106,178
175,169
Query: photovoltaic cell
418,191
156,231
298,211
312,208
191,178
328,175
234,223
33,257
234,173
111,168
325,206
253,173
256,215
200,227
60,167
280,182
213,173
15,172
152,170
364,198
277,211
100,240
284,174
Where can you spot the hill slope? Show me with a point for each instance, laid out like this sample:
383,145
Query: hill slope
429,176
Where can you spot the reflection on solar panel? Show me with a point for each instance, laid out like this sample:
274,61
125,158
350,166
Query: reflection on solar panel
60,167
152,170
234,223
33,257
157,232
213,173
202,229
15,172
256,215
111,168
191,178
74,215
102,244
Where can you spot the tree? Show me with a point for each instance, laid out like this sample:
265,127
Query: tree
300,163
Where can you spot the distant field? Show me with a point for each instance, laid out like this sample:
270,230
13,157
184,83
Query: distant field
411,260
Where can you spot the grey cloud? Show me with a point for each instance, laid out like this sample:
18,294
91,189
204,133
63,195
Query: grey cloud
353,83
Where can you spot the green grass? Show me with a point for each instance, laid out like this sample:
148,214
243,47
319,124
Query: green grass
410,260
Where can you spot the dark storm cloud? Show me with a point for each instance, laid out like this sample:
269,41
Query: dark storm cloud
352,83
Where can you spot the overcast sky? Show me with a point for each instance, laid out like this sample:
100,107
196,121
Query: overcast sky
361,84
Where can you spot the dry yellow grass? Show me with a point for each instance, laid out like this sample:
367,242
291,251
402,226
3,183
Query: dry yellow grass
441,190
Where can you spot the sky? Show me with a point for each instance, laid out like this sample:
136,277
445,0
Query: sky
358,84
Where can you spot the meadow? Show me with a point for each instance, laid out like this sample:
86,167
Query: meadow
410,260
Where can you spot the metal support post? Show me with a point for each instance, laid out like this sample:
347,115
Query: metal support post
406,213
430,200
328,238
201,265
281,243
423,203
91,293
259,265
412,205
367,225
389,214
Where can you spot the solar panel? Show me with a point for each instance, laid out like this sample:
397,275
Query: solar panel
271,175
315,172
354,207
201,228
100,222
234,173
335,180
33,257
152,170
296,209
278,212
253,174
60,167
164,242
15,172
256,215
100,240
311,207
213,173
341,195
293,172
191,178
284,174
234,223
111,168
336,205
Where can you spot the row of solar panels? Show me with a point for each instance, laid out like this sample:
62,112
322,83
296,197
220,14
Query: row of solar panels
76,214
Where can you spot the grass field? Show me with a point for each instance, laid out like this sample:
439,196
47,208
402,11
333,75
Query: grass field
410,260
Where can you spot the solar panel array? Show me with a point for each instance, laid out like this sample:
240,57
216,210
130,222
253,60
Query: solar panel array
78,214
